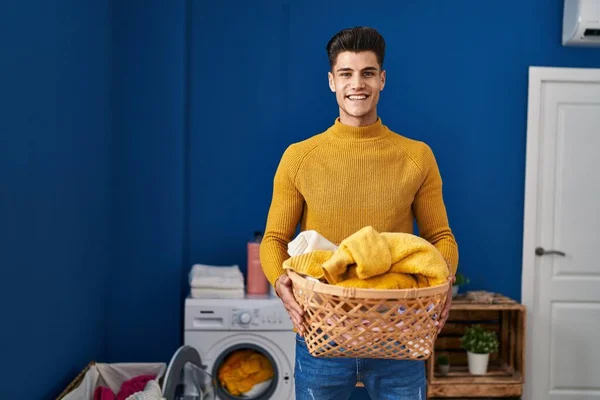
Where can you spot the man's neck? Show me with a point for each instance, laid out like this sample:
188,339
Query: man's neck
358,121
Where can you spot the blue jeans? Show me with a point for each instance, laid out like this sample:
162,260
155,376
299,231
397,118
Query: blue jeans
318,378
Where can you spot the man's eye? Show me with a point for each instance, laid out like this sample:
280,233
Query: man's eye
345,73
369,74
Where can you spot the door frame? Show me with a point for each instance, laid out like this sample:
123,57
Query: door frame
537,77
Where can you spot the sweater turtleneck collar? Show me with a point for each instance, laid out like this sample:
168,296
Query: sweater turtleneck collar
341,131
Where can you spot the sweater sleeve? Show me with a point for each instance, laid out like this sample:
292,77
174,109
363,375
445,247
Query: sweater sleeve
430,212
284,215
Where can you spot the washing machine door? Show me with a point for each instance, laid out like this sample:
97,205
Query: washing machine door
186,377
249,366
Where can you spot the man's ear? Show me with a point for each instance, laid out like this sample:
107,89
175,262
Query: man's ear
331,81
383,78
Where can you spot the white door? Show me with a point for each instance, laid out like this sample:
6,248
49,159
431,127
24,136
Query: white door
561,243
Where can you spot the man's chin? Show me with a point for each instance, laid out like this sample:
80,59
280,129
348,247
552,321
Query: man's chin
358,113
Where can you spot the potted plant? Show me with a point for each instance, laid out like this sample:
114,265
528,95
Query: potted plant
461,280
443,363
479,344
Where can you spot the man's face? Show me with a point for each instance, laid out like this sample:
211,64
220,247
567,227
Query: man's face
357,79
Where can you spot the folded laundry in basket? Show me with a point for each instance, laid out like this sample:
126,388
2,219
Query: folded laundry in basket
369,259
308,241
216,277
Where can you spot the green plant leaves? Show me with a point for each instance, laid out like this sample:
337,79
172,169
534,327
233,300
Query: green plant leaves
478,340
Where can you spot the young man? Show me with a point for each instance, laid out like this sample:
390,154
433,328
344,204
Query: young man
356,173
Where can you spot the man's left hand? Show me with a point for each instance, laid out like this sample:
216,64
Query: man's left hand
446,310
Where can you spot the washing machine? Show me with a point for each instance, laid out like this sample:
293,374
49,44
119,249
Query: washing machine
217,328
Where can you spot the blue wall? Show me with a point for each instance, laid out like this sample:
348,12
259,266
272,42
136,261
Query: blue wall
149,97
55,163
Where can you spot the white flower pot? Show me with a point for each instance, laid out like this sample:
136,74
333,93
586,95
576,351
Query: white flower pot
454,290
478,363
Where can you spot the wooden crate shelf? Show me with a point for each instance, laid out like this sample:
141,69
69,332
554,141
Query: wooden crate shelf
505,372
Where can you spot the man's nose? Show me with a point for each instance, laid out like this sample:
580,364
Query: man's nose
357,82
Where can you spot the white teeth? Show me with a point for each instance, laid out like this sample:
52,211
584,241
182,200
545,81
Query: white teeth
357,97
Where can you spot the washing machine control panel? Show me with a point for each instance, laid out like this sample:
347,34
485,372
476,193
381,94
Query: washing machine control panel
263,318
267,314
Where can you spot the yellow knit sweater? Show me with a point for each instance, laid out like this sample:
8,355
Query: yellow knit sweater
346,178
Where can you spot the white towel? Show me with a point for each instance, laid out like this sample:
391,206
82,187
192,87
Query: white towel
216,277
152,391
308,241
209,293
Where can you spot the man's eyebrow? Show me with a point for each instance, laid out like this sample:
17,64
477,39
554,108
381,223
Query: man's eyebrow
345,69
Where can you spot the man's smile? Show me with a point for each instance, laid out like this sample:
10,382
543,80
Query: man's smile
355,97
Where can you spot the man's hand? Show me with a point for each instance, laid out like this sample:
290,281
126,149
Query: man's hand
446,310
283,288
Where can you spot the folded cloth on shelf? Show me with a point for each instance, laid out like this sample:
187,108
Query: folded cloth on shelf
369,259
308,241
209,293
216,277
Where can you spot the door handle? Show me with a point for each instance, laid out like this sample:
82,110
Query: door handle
540,251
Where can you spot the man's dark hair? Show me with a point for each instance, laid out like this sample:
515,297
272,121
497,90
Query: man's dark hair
360,38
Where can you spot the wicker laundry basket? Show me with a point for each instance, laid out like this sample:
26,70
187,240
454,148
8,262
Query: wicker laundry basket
76,381
369,323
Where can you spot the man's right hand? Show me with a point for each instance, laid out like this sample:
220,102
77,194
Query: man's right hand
283,288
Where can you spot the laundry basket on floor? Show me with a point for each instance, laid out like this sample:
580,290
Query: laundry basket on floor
184,378
369,323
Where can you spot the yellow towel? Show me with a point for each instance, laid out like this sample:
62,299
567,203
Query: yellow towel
369,259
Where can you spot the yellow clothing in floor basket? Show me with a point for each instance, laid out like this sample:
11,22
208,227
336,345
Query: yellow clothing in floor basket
371,260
